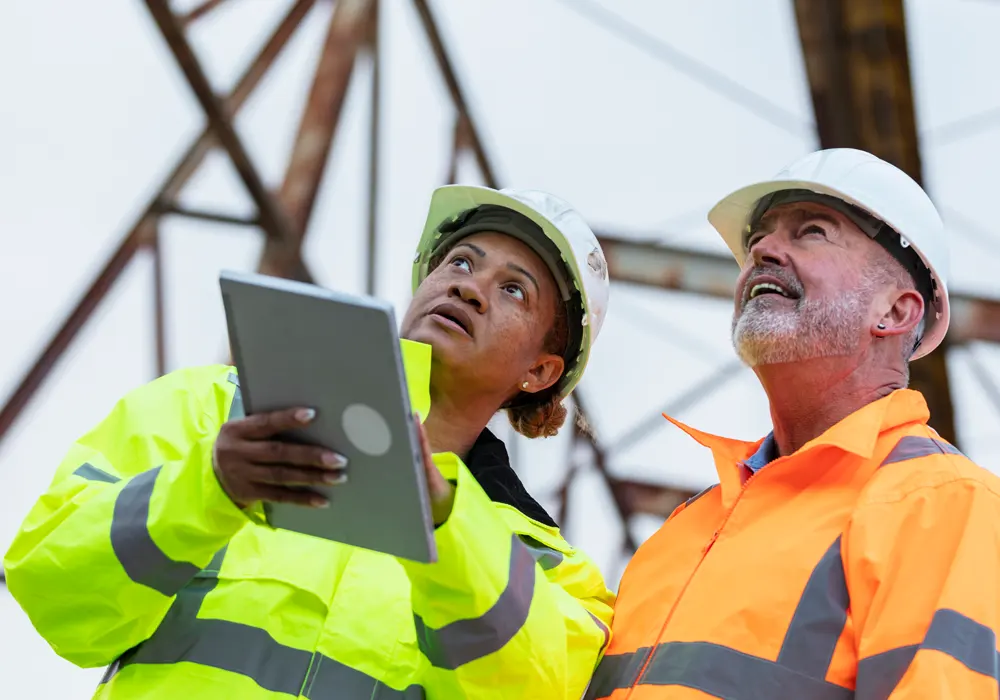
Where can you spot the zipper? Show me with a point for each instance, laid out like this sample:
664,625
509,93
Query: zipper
704,553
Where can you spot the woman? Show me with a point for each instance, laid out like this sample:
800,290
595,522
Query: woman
149,552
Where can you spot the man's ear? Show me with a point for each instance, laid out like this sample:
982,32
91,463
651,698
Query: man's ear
544,374
903,316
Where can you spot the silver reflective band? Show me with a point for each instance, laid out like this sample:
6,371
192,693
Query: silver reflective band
727,673
713,669
699,495
819,618
236,410
546,557
249,651
952,633
603,627
914,446
462,641
331,680
91,473
142,559
616,672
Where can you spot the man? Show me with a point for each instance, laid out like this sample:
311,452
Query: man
851,553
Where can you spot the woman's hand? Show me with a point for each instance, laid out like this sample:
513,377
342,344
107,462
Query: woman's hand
440,490
252,465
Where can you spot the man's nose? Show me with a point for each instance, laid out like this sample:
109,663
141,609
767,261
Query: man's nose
469,292
771,249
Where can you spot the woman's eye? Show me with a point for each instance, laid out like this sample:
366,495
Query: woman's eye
461,262
515,290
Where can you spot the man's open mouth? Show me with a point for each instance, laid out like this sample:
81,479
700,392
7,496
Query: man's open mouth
768,285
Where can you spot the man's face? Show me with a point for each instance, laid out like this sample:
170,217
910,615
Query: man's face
486,309
805,290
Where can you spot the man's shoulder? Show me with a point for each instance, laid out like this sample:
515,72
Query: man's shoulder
920,462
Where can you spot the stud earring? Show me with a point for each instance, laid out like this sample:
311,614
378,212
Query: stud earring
525,386
881,326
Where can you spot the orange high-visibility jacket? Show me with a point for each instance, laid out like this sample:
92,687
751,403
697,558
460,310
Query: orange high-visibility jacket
865,565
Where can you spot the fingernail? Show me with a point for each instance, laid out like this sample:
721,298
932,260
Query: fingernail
335,477
305,415
320,502
332,459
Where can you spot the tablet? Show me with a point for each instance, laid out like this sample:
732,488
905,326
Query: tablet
296,344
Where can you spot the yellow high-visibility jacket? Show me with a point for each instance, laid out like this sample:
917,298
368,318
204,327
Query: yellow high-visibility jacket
135,558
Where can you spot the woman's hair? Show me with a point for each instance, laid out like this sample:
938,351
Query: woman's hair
544,416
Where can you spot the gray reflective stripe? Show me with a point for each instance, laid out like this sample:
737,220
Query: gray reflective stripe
819,618
604,629
236,410
800,670
698,495
970,643
91,473
142,559
249,651
616,671
462,641
913,446
329,679
727,673
546,557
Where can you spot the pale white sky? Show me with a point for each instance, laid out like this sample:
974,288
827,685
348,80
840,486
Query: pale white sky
95,113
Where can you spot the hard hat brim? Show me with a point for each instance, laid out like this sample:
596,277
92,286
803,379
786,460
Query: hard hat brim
730,218
452,200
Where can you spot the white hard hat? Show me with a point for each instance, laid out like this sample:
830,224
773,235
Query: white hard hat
881,190
567,246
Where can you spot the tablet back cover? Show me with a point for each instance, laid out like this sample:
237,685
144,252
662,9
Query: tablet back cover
296,344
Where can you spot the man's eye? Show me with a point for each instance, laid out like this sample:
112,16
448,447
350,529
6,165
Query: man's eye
459,261
753,240
515,290
813,228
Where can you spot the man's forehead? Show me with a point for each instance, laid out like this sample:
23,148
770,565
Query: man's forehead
802,210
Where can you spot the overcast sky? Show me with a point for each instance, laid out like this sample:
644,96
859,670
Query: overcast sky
96,112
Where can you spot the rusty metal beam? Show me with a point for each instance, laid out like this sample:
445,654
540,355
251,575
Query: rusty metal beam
133,240
273,220
659,265
199,12
584,433
651,499
457,94
374,155
317,128
159,321
212,216
859,75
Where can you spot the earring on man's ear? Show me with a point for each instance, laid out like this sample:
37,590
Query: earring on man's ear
881,326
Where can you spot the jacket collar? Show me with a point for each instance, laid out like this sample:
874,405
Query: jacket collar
487,460
856,434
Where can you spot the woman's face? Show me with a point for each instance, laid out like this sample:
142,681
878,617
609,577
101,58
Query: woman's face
486,310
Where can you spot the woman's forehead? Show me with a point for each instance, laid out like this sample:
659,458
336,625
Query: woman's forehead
508,249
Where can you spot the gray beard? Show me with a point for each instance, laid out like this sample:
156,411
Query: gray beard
768,331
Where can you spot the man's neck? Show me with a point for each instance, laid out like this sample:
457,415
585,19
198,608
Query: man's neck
455,422
807,398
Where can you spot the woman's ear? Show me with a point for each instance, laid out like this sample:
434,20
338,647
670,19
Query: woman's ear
903,316
544,374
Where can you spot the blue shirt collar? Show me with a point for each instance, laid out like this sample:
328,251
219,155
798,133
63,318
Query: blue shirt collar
765,454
